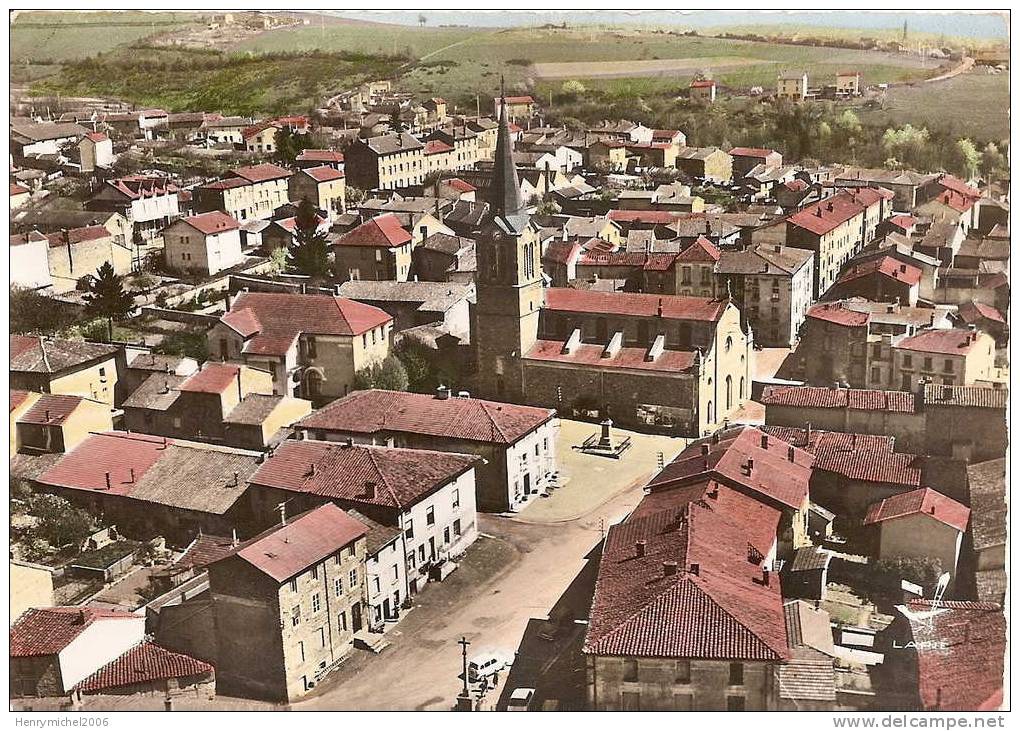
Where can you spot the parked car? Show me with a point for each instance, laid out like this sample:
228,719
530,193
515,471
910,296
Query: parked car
520,699
487,663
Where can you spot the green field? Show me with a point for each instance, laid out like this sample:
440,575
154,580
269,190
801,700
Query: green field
65,36
974,105
364,38
188,80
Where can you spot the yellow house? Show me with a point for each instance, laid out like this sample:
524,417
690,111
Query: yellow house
72,367
260,137
792,86
31,588
58,423
75,253
920,524
257,419
313,344
324,186
953,357
21,402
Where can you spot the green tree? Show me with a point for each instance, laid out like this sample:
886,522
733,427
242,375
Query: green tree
389,375
310,255
354,196
187,344
289,144
572,89
60,523
37,314
992,161
966,158
887,573
106,296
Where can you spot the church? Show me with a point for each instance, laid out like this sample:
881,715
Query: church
681,365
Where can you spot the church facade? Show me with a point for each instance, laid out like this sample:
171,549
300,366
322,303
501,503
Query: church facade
669,363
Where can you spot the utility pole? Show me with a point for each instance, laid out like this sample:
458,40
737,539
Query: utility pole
464,702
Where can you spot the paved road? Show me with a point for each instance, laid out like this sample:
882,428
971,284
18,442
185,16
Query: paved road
420,669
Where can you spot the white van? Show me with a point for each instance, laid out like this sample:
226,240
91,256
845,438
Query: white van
487,663
520,699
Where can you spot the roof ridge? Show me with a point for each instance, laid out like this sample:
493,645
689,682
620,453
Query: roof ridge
495,427
386,484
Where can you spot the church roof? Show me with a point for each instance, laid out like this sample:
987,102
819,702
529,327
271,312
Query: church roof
505,191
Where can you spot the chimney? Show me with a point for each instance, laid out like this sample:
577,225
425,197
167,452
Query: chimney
131,471
790,453
237,478
82,617
715,437
669,568
931,510
818,212
639,549
714,492
311,470
807,433
46,415
443,393
705,449
764,577
370,489
764,441
233,536
658,310
108,485
695,569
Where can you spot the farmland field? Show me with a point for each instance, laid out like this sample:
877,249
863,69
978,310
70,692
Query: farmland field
657,67
976,104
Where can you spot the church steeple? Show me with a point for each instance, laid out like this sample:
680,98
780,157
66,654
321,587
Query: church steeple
505,192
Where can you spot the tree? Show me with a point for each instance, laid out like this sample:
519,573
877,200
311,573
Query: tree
966,158
37,314
992,160
422,20
572,89
310,255
289,144
106,296
887,573
389,375
354,196
60,523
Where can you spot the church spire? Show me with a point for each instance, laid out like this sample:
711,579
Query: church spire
505,191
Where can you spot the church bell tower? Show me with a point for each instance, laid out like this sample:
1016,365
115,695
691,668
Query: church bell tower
510,292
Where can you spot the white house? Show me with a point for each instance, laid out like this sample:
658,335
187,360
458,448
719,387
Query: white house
207,243
29,257
53,649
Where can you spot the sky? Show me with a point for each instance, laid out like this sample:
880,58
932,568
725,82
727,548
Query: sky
972,25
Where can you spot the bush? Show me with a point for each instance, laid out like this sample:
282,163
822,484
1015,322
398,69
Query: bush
389,375
186,344
60,523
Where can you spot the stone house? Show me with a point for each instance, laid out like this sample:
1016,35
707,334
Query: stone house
288,603
148,203
518,443
324,186
922,523
95,150
313,344
54,649
55,423
253,192
49,365
429,496
379,249
792,86
385,162
205,244
954,357
708,164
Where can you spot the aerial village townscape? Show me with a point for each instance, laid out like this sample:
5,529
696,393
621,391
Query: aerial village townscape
430,364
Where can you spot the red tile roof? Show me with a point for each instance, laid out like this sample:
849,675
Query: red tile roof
974,312
382,231
249,132
280,318
144,663
656,217
702,250
324,173
613,258
957,201
869,465
310,155
591,356
827,215
518,100
40,632
226,184
561,252
702,83
137,187
761,152
261,173
960,656
213,222
78,235
96,137
17,397
715,605
51,409
885,266
953,183
286,550
903,221
212,378
981,397
924,501
125,457
17,189
659,262
459,185
838,314
360,475
477,420
944,342
815,397
670,307
773,478
434,147
796,185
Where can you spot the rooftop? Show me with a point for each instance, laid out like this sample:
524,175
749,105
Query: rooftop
383,231
923,501
38,354
144,663
40,632
670,307
816,397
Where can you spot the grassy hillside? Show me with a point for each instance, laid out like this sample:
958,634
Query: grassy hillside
183,80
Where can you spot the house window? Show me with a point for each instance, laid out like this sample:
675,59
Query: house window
316,603
421,553
295,616
322,636
293,584
396,572
301,650
683,671
630,701
456,527
908,361
338,557
736,673
375,583
735,703
686,278
353,578
430,515
630,670
927,364
456,498
948,366
409,529
311,348
338,586
341,621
